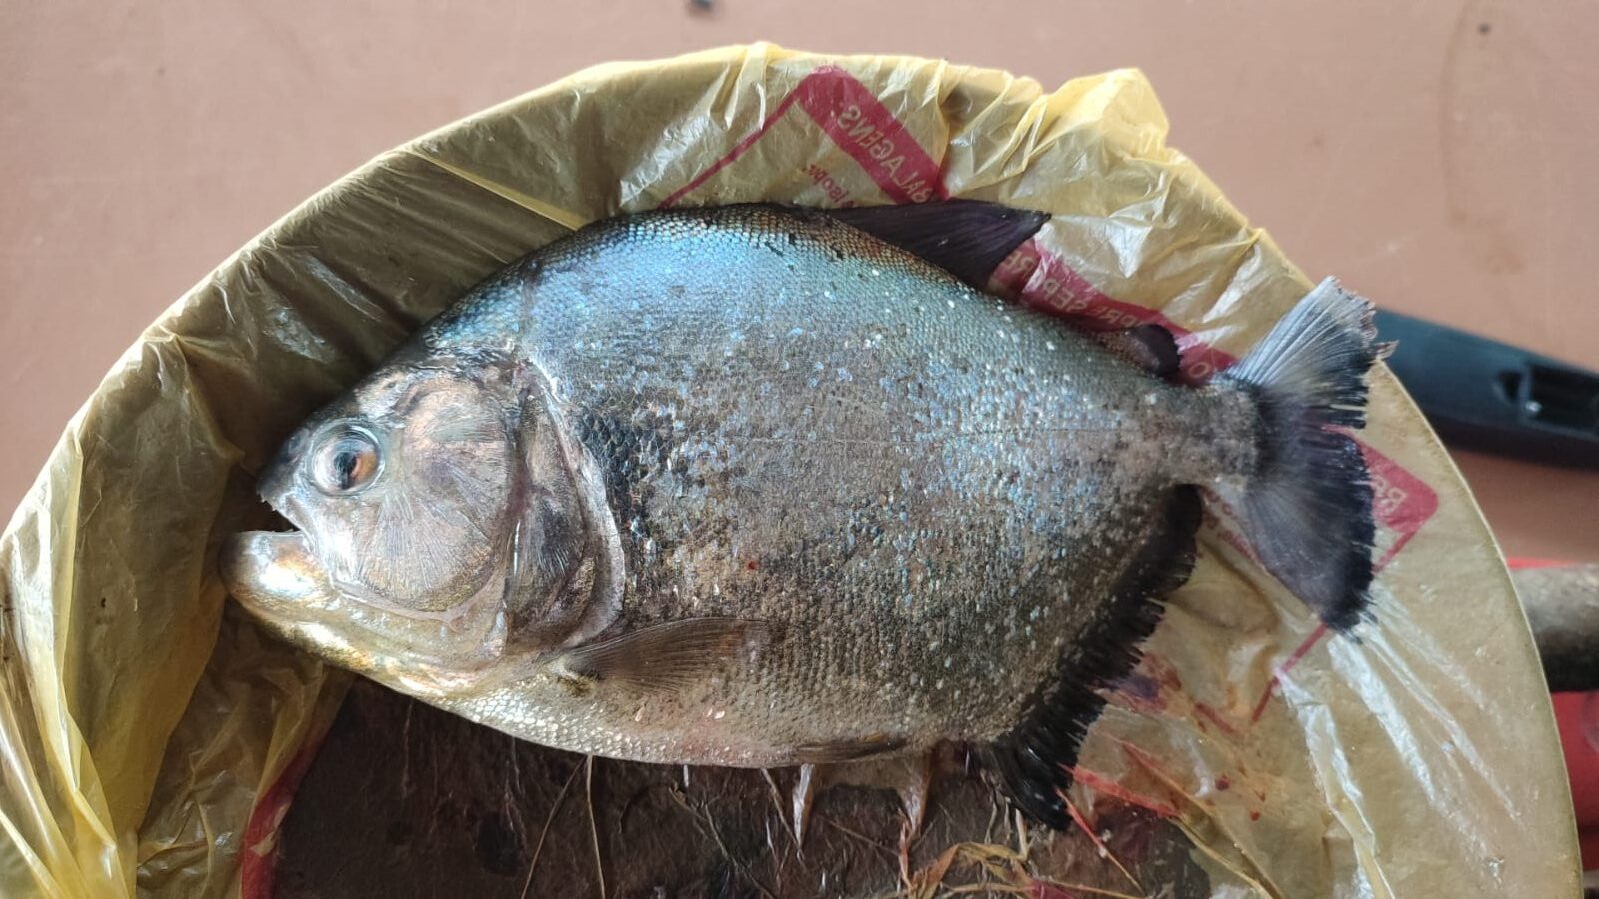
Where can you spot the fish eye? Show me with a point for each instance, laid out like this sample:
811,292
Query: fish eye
347,460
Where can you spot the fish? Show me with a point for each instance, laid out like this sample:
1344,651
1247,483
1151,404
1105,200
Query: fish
763,486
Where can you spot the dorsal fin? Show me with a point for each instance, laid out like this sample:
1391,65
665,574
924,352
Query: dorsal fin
967,238
1150,347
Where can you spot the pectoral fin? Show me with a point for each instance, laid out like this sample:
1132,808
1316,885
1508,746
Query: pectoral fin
665,658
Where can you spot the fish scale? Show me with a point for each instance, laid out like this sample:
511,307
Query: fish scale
993,483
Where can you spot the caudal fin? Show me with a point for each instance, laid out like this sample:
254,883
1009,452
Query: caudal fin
1307,509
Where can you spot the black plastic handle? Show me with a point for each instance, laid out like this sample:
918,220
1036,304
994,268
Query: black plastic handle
1486,395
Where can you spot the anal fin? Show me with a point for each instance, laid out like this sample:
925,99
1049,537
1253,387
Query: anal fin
1033,760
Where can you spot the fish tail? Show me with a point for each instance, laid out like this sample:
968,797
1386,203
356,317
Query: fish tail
1307,507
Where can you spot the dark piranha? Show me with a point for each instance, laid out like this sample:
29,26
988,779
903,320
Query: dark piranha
748,486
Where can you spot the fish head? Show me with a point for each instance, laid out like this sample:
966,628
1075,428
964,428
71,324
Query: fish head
437,521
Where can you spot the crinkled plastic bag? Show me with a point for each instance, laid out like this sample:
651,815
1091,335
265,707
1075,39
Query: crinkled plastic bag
152,736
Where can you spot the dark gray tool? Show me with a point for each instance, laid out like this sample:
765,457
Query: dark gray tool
1485,395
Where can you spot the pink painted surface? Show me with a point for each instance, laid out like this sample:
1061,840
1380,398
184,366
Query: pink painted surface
1430,155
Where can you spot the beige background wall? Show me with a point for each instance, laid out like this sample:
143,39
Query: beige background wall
1439,156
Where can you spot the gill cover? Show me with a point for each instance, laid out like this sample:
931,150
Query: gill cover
565,578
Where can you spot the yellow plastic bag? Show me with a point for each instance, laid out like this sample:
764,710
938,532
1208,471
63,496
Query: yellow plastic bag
152,736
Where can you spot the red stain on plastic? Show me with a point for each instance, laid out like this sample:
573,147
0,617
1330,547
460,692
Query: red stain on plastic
1143,758
868,131
1108,787
1082,824
1205,710
1163,671
860,125
739,149
836,193
1401,502
258,861
1519,564
1223,784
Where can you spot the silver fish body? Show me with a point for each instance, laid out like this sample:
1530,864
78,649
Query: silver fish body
748,487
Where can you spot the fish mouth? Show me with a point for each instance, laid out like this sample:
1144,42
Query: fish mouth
274,574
